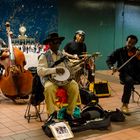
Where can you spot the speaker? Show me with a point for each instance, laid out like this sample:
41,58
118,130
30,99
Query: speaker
101,89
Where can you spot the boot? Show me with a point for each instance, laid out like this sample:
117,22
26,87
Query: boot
125,109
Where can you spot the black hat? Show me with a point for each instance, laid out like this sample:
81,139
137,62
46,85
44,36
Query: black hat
53,36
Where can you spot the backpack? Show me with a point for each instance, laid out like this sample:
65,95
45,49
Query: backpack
116,116
37,88
87,96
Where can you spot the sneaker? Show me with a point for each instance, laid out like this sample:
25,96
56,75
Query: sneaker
125,110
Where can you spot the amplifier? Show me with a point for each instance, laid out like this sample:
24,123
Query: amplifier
101,89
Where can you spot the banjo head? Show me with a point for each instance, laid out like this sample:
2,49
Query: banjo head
61,77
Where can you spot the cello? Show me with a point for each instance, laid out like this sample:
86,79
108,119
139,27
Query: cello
15,82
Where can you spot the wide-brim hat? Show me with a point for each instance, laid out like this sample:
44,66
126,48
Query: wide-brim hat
52,36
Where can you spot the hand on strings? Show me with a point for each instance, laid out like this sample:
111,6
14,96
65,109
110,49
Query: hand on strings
75,56
60,71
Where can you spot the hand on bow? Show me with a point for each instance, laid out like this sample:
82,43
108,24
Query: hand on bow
114,69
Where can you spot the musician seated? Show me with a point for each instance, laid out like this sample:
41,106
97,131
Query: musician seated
129,69
45,70
77,49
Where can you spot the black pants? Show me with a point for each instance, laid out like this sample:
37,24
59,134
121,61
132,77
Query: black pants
128,82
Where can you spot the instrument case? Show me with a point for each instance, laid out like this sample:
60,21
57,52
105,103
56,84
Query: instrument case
101,89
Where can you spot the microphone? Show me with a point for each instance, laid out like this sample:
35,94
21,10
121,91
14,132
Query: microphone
59,61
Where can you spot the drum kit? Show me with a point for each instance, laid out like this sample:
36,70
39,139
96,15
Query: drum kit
86,74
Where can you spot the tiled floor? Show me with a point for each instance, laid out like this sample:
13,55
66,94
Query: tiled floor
13,125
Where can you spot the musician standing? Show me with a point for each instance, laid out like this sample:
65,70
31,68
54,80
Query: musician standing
128,73
44,69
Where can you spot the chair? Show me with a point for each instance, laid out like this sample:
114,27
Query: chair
28,115
133,91
61,101
35,98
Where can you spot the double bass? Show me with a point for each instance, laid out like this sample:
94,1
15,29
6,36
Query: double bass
15,82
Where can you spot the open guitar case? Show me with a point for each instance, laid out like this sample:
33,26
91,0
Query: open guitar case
92,116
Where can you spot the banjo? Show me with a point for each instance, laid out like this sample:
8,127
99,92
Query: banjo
69,70
61,79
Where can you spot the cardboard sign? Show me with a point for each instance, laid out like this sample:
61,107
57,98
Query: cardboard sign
61,131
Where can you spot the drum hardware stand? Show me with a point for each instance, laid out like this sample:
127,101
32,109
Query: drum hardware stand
28,114
91,59
133,91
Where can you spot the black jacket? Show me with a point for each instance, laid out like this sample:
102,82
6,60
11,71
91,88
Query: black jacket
75,48
119,57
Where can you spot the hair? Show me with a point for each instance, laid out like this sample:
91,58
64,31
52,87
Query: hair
132,37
